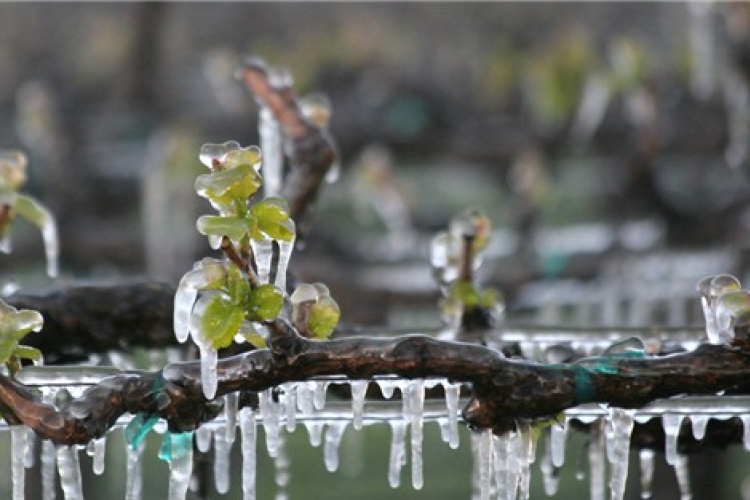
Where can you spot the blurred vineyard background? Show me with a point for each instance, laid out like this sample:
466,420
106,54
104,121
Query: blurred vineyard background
607,141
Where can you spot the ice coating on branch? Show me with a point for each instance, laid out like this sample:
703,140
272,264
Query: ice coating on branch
221,462
359,388
263,252
558,434
19,445
452,394
249,455
711,288
180,464
134,473
646,457
334,433
672,423
683,477
622,425
69,469
414,411
269,414
97,449
398,452
273,156
49,469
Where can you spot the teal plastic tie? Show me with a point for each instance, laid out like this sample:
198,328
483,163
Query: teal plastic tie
138,427
176,445
584,392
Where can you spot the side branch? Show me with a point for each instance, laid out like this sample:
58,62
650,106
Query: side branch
504,390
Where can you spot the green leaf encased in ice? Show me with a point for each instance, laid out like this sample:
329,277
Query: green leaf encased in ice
221,321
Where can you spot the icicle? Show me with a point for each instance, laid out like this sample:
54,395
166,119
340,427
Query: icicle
19,446
334,433
525,459
263,251
416,406
180,464
209,379
699,423
501,460
484,462
315,430
51,244
30,458
231,405
671,423
269,414
273,159
285,254
746,431
557,438
359,388
622,425
647,471
249,455
549,471
452,394
282,468
203,436
305,392
596,462
398,452
290,405
387,387
47,460
683,477
69,469
134,473
184,300
221,462
97,449
319,398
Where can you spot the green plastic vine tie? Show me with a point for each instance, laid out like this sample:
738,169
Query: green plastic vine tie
175,445
137,429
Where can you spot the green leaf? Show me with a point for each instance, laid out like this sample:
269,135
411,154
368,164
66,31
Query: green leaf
8,345
323,318
224,186
265,303
235,228
238,287
271,219
221,321
12,169
30,353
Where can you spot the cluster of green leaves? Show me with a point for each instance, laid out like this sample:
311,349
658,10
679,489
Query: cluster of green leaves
230,187
14,325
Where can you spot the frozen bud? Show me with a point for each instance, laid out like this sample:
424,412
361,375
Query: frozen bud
280,78
213,269
558,353
210,152
12,169
317,109
713,286
322,290
304,293
630,347
733,309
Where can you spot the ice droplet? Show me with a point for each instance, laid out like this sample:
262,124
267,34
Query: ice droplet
19,444
249,455
646,457
221,462
672,423
359,388
69,469
415,409
622,425
47,460
398,452
334,433
452,394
